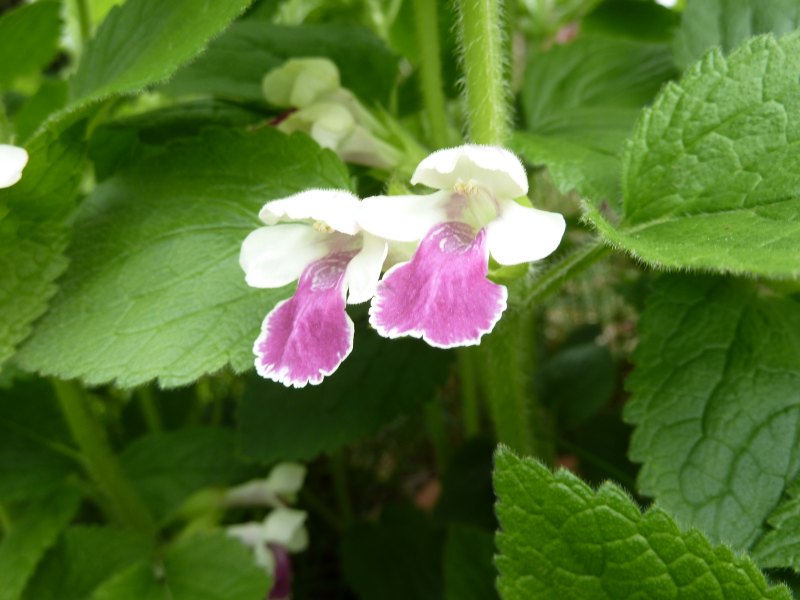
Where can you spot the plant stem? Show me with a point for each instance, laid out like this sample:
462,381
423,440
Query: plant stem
469,391
573,265
505,360
426,20
434,419
99,461
484,60
147,404
84,21
338,466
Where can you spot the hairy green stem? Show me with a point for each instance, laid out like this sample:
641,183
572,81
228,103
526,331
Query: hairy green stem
426,22
505,360
99,461
84,21
570,267
484,59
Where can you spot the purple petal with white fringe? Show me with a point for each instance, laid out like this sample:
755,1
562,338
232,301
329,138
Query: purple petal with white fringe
442,295
307,337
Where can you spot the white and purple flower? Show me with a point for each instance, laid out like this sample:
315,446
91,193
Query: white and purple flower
442,294
12,161
312,237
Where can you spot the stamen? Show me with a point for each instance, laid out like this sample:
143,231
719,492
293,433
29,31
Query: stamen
322,227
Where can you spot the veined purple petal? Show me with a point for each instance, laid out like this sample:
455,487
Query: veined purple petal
441,295
307,337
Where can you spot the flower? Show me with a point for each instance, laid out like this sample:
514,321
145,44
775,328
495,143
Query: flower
284,482
282,532
12,161
330,114
442,294
312,237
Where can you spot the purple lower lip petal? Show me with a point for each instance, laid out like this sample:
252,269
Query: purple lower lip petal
441,295
307,337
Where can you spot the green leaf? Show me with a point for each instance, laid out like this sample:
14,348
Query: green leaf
632,19
710,178
154,289
35,232
580,102
207,566
715,400
371,388
167,468
236,63
144,41
725,24
82,559
561,539
779,547
28,39
29,537
397,558
35,452
119,143
48,99
469,564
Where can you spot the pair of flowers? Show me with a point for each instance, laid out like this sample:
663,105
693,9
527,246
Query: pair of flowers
336,246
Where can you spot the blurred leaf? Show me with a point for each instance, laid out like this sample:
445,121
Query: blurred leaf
31,534
49,98
208,566
145,41
633,19
236,63
469,572
117,144
82,559
580,102
561,539
467,495
397,558
379,381
716,391
28,39
166,468
578,382
35,232
710,176
33,437
155,289
725,24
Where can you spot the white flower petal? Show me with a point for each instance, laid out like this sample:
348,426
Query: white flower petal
12,160
272,257
327,124
364,270
284,526
286,478
250,534
334,208
522,234
403,218
492,167
300,82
